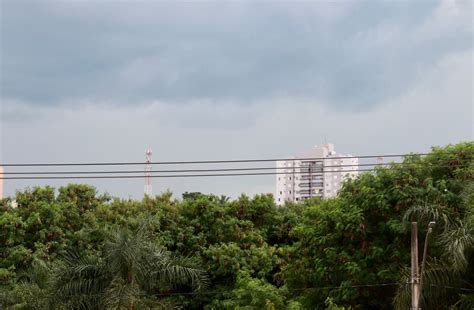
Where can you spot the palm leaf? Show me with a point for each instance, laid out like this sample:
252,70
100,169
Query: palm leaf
172,270
437,278
456,240
120,294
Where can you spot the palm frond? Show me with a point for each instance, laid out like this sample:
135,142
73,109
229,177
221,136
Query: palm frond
124,253
79,280
437,277
403,296
467,195
39,273
174,270
120,294
455,241
425,212
466,302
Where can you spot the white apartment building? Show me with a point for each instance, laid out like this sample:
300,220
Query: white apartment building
315,173
1,182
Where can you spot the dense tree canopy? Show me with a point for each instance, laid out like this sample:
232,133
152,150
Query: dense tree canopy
206,251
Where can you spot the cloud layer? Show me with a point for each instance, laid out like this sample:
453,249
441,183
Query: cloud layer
350,55
436,111
102,80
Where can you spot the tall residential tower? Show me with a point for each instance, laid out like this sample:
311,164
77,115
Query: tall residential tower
316,173
1,182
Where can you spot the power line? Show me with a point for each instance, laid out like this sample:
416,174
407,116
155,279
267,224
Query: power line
289,289
217,170
182,175
163,176
454,287
204,292
219,161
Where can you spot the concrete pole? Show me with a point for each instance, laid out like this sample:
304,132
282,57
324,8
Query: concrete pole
415,279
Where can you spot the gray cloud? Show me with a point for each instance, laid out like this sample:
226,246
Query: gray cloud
101,80
347,55
436,111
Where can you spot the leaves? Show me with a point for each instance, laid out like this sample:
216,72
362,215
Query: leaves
209,251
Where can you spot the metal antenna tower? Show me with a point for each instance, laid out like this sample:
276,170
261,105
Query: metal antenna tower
148,169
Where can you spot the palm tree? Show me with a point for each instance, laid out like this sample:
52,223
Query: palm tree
223,199
452,268
133,271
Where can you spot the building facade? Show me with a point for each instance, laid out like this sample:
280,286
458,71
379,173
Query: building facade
315,173
1,182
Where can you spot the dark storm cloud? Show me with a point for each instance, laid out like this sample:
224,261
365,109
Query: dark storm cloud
86,81
349,54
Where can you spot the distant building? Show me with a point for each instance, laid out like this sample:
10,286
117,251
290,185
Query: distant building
1,182
315,173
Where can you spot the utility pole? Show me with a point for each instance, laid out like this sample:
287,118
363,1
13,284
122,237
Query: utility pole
416,273
415,277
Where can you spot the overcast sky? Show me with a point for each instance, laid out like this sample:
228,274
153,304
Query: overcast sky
102,80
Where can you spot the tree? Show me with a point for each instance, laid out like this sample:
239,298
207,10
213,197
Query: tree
131,272
452,263
318,254
254,294
32,289
361,237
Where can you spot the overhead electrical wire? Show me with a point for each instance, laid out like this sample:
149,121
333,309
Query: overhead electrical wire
167,176
206,292
289,289
454,287
314,173
217,161
211,170
316,288
31,175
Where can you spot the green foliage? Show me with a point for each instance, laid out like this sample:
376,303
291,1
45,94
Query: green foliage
132,270
76,249
330,305
254,293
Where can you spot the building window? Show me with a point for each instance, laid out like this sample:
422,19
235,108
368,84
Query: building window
290,192
297,199
290,178
278,199
278,179
280,192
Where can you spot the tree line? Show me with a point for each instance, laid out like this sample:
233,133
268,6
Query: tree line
74,248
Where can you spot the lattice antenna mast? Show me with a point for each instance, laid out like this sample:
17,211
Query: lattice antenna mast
148,169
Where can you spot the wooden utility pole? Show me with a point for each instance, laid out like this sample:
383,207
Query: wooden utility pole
415,276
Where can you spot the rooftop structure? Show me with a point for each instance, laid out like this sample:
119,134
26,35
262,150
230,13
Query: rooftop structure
1,182
318,172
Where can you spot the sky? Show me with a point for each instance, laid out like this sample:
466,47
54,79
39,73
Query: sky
100,81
